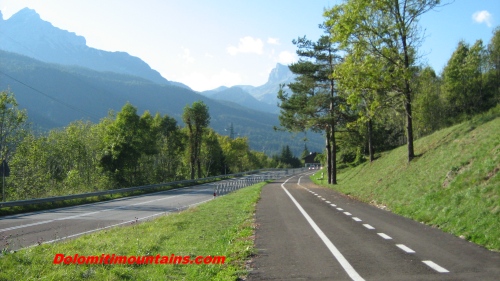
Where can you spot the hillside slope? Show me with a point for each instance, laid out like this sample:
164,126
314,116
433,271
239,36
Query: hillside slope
453,183
55,95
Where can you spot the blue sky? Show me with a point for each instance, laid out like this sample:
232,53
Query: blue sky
206,44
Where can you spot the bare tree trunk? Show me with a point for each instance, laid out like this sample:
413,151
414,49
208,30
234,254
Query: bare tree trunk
370,140
409,127
333,157
328,155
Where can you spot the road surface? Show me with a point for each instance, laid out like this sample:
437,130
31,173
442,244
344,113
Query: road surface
29,229
307,232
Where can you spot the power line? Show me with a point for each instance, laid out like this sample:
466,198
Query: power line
52,98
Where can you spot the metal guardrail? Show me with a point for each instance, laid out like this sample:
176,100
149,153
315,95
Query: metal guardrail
129,189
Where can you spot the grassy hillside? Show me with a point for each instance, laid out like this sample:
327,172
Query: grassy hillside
453,183
221,227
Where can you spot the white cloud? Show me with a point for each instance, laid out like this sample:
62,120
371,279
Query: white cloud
186,55
483,17
205,81
273,41
247,45
287,57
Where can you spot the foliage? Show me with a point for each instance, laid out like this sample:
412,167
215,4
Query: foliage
383,34
196,119
314,103
122,150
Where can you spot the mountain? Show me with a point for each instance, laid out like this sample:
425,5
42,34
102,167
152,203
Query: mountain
268,92
262,98
239,96
55,95
27,34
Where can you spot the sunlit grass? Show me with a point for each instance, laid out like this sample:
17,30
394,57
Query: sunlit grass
453,183
221,227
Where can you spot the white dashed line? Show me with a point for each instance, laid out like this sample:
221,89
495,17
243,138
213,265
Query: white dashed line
328,202
436,267
347,214
406,249
336,253
356,219
340,209
368,226
323,199
333,205
385,236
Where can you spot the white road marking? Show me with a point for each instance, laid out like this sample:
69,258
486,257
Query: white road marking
323,199
333,205
347,214
336,253
91,213
340,209
122,223
436,267
328,202
385,236
356,218
368,226
406,249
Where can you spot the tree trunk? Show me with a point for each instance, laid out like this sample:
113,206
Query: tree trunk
328,155
370,139
409,127
333,157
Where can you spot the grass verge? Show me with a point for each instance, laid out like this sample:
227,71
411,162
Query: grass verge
221,227
453,183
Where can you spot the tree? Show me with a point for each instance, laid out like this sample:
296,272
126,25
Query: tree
493,76
464,88
211,155
126,139
314,103
13,124
388,31
429,110
13,128
196,119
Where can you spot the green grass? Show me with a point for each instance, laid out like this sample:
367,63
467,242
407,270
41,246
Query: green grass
221,227
453,183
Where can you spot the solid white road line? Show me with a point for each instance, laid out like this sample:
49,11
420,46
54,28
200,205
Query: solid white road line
406,249
436,267
336,253
385,236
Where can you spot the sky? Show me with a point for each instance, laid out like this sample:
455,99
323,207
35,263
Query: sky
210,43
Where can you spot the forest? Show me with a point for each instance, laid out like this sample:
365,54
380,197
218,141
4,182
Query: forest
364,86
124,149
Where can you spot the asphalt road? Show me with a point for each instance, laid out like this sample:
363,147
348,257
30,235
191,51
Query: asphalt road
307,232
29,229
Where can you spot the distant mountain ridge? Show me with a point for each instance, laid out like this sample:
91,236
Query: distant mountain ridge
38,59
27,34
55,95
262,98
